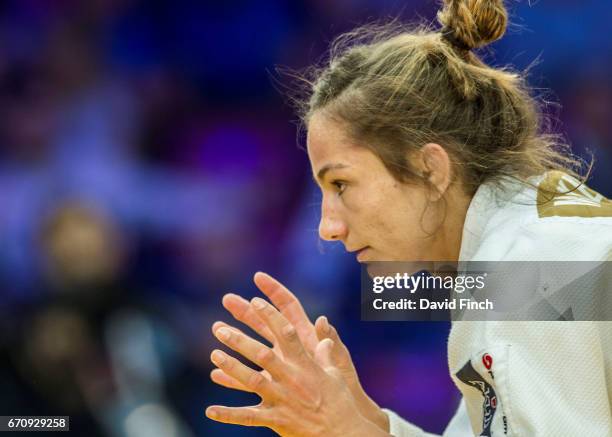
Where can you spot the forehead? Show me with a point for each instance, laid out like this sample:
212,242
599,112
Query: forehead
328,141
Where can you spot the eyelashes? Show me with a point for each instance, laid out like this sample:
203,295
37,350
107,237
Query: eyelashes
340,185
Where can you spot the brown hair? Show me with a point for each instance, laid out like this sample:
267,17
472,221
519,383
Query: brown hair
396,88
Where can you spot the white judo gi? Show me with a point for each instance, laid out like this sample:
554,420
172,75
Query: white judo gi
545,378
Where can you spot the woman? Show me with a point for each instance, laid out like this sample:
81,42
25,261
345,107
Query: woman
455,153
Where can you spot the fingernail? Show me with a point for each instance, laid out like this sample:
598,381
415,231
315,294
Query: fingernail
212,413
325,325
223,333
258,303
218,357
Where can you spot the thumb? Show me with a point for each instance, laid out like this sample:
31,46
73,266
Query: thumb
323,352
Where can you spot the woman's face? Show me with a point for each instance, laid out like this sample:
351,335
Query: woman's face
363,206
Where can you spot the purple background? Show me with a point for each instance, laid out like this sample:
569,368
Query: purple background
162,119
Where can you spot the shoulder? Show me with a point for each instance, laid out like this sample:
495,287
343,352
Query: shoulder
558,218
563,240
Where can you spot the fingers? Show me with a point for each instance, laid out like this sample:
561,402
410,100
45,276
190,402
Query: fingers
285,333
324,329
252,380
241,310
340,354
220,324
246,416
288,304
252,350
280,296
323,353
220,377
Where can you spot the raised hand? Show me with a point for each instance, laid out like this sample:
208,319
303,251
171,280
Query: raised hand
302,395
310,336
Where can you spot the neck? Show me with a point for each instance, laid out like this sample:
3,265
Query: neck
448,238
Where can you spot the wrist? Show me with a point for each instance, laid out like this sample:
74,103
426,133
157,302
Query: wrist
366,428
359,425
373,412
382,421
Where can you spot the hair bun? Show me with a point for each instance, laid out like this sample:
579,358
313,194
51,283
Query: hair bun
473,23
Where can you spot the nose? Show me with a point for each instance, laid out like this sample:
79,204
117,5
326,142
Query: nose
331,227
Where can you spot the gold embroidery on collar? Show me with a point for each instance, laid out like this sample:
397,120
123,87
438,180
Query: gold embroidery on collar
560,194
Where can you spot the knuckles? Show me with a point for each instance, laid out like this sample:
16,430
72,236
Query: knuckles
268,311
256,381
249,418
281,423
289,332
228,364
236,339
265,356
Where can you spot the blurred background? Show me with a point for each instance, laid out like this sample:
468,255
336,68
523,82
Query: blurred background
148,165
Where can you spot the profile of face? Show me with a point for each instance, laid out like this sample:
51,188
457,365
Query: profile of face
365,207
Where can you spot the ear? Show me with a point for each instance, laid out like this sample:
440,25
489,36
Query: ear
437,168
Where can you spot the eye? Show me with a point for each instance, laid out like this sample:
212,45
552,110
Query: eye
341,186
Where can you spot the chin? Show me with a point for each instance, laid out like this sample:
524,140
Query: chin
393,268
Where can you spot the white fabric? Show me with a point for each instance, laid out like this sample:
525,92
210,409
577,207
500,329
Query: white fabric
549,378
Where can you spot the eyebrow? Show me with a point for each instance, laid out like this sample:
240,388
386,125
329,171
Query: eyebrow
328,167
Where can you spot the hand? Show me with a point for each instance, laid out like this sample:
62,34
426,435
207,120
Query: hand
310,336
303,396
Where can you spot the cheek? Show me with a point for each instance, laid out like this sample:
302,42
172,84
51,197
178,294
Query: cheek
398,216
385,210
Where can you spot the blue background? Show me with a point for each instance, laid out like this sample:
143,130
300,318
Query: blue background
163,121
